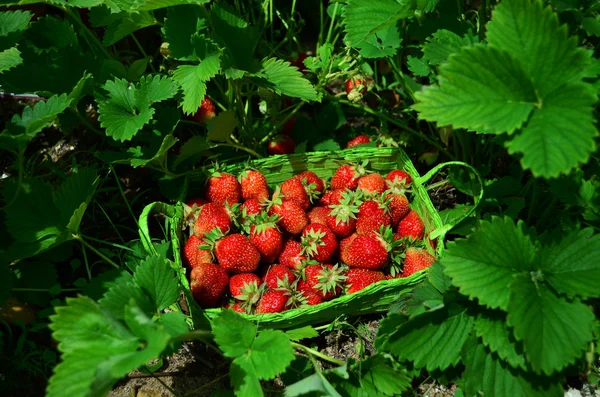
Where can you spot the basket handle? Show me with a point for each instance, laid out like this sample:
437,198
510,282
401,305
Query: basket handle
432,172
166,209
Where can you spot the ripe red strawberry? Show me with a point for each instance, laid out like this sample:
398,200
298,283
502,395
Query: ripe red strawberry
325,280
292,217
291,255
372,183
288,126
293,189
251,207
236,307
325,200
346,177
344,244
211,216
254,185
237,254
355,83
411,226
372,215
266,237
359,140
240,283
318,242
278,276
337,195
357,279
208,283
191,209
193,255
416,259
313,183
273,301
307,294
223,188
283,144
342,218
398,206
206,111
319,215
398,181
367,251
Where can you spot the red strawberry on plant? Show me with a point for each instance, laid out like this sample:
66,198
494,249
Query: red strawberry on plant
292,217
254,185
398,206
282,144
205,112
193,255
355,83
292,256
357,279
278,276
416,259
411,226
318,242
293,189
325,280
223,188
342,218
273,301
346,177
371,184
266,237
234,252
319,215
211,216
359,140
208,283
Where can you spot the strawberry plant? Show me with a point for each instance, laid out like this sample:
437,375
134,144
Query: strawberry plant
110,108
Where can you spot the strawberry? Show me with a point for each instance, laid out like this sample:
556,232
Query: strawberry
293,189
346,177
359,140
411,226
236,307
325,280
193,255
306,295
371,183
367,251
206,111
191,209
211,216
239,283
319,215
398,206
278,276
292,217
337,195
398,181
254,185
299,61
416,259
208,283
237,254
318,242
273,301
291,255
344,244
251,207
266,237
325,200
223,188
357,279
283,144
372,215
313,183
342,218
355,83
288,127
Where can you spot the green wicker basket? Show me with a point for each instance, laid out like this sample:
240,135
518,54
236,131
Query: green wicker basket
375,298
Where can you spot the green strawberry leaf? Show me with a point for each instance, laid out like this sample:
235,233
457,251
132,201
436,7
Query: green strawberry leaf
555,332
10,58
49,33
181,24
285,79
157,278
233,333
120,293
491,327
193,78
375,376
483,265
484,372
13,22
306,332
440,45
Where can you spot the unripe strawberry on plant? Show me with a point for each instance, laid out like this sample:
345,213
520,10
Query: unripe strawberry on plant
254,185
211,216
265,236
325,280
411,226
273,301
318,242
278,276
222,188
358,279
291,255
282,144
208,283
416,259
359,140
193,255
205,112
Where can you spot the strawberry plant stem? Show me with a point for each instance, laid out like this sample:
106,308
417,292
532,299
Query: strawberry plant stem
139,46
97,252
317,354
276,129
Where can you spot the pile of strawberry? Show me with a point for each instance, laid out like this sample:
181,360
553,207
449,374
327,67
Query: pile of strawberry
256,252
